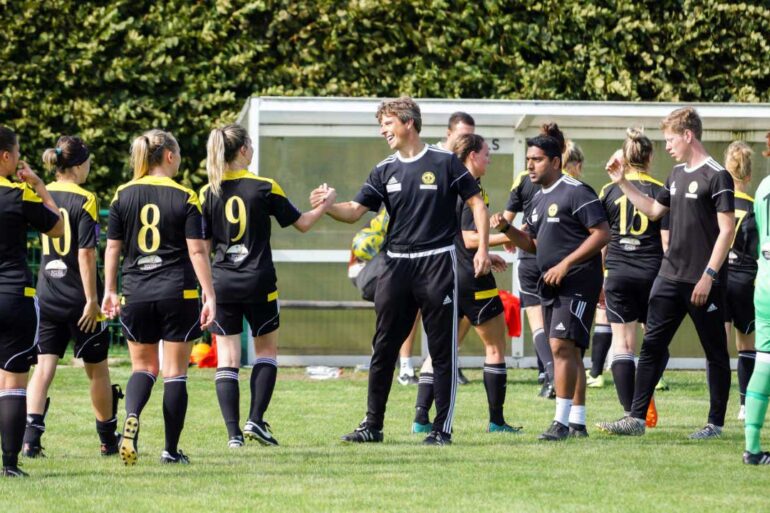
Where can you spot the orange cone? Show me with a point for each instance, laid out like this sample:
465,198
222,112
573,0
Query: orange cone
652,414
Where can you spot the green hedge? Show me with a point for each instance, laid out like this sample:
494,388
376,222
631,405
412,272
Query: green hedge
109,69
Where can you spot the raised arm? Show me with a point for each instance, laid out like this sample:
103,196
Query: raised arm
644,204
309,218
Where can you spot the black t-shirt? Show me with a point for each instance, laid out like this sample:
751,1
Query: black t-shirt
743,252
559,220
635,246
694,197
59,282
154,216
238,223
520,200
420,194
467,282
20,208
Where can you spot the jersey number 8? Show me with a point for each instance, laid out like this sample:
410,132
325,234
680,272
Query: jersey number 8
61,244
622,202
149,227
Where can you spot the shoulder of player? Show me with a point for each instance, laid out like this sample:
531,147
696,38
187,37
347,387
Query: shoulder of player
519,179
247,177
606,189
158,181
87,199
743,196
387,160
24,191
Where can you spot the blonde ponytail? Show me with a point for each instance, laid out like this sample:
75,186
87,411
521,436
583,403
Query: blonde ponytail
215,159
738,160
50,157
221,150
637,150
147,150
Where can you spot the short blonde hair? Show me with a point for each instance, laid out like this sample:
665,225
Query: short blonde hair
686,118
738,160
405,108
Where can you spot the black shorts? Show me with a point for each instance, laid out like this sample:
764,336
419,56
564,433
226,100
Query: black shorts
55,334
173,320
627,296
481,307
570,317
262,317
19,317
529,275
739,301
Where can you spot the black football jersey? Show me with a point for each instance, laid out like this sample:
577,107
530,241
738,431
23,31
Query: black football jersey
520,199
59,282
238,223
420,194
20,209
467,282
559,221
154,216
743,252
694,197
635,246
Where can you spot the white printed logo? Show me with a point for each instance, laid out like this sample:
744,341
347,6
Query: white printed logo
712,308
560,326
447,300
393,185
673,188
392,180
691,191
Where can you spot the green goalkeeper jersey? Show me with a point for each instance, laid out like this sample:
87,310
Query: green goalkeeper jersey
762,213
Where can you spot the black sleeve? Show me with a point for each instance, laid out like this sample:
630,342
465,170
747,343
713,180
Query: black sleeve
205,212
516,198
723,191
115,228
36,213
372,193
88,228
664,195
281,208
193,225
665,222
461,180
587,207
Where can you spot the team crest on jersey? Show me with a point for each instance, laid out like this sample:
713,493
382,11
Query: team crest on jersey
428,181
629,244
692,189
56,269
236,253
553,209
149,262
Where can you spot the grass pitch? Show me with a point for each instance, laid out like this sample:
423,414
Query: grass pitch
312,471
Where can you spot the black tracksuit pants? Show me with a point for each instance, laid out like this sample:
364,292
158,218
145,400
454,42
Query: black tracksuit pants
411,281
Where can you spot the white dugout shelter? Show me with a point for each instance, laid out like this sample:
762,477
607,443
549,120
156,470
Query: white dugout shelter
505,125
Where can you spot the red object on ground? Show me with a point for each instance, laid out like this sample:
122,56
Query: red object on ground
512,307
210,360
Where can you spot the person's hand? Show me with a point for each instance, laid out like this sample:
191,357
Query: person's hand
111,305
92,314
614,167
481,263
318,195
331,196
208,313
509,247
498,222
25,174
555,274
701,291
498,263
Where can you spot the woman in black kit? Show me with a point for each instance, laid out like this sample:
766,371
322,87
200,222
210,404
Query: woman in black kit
23,205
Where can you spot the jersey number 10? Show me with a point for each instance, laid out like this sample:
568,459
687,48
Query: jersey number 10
61,245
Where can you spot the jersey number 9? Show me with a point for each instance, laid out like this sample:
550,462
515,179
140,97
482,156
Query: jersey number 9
235,212
622,202
61,245
150,218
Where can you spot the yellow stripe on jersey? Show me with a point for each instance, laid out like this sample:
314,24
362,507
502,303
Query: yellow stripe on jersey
190,294
161,181
519,178
30,195
606,186
643,177
485,294
743,195
272,296
4,182
202,194
29,292
243,173
91,205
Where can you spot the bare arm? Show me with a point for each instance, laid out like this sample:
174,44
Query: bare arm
471,239
518,237
644,204
111,302
348,212
91,311
665,236
199,256
25,174
598,237
309,218
481,262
